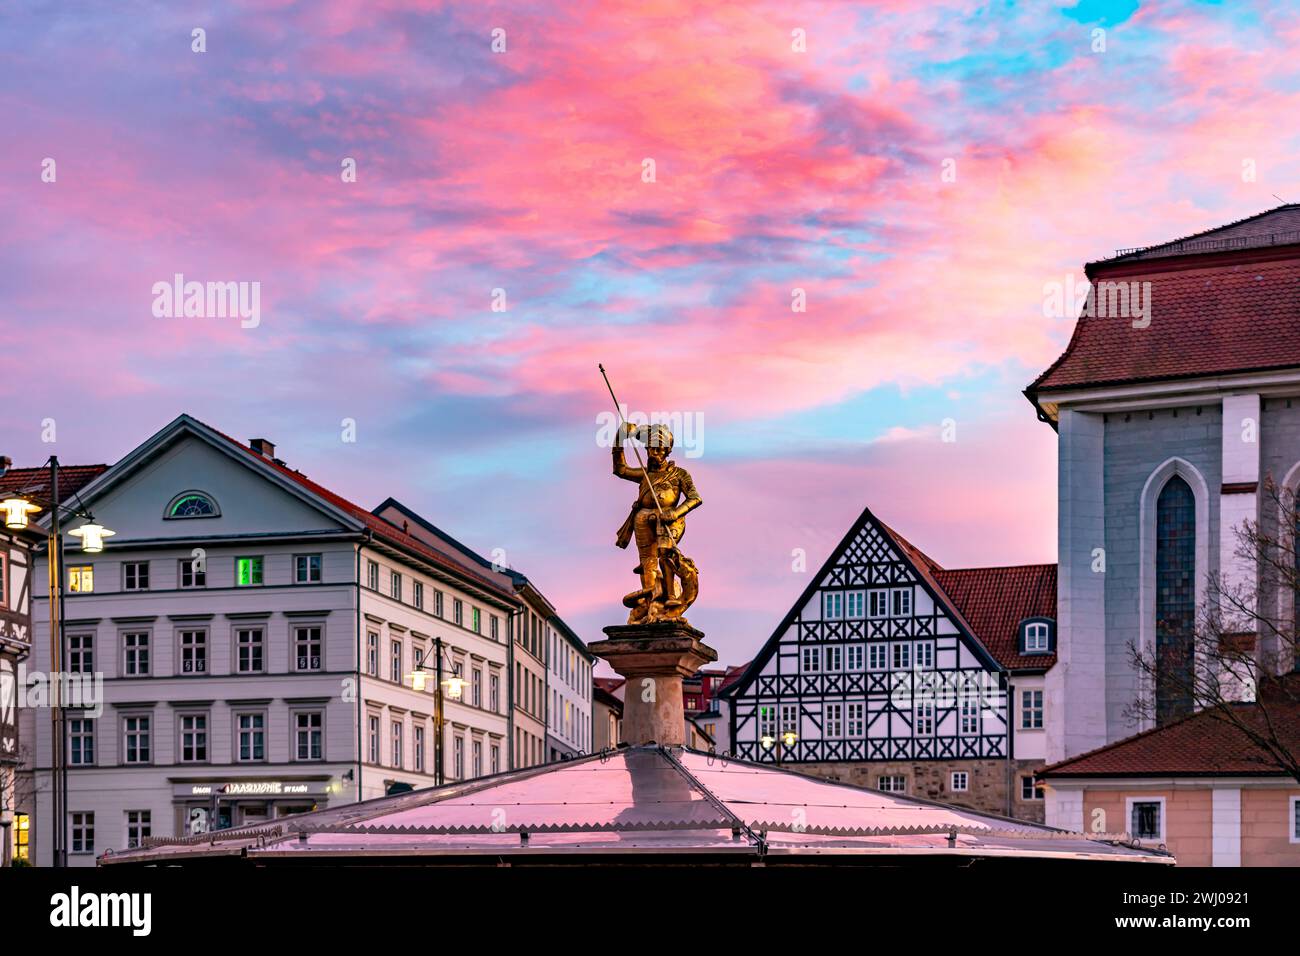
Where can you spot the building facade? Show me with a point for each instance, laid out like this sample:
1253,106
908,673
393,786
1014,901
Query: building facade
607,712
568,693
260,642
895,673
1173,419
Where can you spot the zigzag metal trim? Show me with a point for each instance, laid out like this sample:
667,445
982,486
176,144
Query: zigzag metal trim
715,824
214,836
1047,835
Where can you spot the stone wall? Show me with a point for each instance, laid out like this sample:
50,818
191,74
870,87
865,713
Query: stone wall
988,781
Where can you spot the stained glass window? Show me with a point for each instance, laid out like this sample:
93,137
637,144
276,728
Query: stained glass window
192,506
1175,599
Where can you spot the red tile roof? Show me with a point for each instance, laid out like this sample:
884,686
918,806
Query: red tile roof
36,481
1221,311
1203,744
995,600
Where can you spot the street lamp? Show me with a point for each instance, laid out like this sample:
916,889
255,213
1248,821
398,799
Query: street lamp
785,740
17,507
449,687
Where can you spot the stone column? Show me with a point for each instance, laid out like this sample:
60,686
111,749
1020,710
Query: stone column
653,659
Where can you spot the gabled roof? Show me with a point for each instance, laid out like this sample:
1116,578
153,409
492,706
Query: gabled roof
1200,745
925,568
353,514
995,601
1225,301
639,804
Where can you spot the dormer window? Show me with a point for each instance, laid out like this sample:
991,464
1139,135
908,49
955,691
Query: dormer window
192,504
1037,635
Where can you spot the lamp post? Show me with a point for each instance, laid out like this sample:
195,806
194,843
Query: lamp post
450,687
784,740
17,509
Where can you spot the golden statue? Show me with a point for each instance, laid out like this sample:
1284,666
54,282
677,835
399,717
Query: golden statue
670,581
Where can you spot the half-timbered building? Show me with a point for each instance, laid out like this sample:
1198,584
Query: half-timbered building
894,672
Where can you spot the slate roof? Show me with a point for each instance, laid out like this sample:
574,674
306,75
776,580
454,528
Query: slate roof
1201,745
639,804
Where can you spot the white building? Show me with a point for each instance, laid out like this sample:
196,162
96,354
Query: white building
258,638
568,692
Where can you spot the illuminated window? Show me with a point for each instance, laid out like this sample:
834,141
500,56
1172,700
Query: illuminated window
478,621
22,837
192,504
81,579
248,572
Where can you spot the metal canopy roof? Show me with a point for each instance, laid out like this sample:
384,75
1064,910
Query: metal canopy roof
636,802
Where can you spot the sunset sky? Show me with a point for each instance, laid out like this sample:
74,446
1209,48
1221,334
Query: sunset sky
522,170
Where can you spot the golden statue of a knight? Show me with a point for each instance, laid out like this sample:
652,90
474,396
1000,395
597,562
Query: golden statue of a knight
669,579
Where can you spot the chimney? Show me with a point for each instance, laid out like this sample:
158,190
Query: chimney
262,447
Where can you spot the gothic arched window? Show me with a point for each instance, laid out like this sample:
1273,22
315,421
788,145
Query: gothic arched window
1175,599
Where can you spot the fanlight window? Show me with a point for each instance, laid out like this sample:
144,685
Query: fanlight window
192,504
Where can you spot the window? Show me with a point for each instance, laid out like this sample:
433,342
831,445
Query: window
194,738
476,760
458,611
767,721
192,504
135,575
878,603
306,648
83,833
832,605
902,656
877,657
834,655
395,661
418,746
373,727
857,603
4,581
923,718
81,742
855,656
1031,710
495,758
790,717
252,736
458,758
306,569
194,652
892,783
970,711
476,687
248,572
437,603
834,721
372,575
417,594
372,653
22,836
1295,819
1175,599
959,782
250,650
193,573
135,654
81,579
857,726
494,694
477,618
138,828
307,735
1147,818
1030,789
902,602
81,653
395,585
925,655
136,749
494,628
811,660
1038,637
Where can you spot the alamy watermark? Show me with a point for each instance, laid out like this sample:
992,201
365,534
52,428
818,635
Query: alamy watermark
1088,300
687,428
208,300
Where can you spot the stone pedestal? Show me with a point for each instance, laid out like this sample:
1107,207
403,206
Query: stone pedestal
654,658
